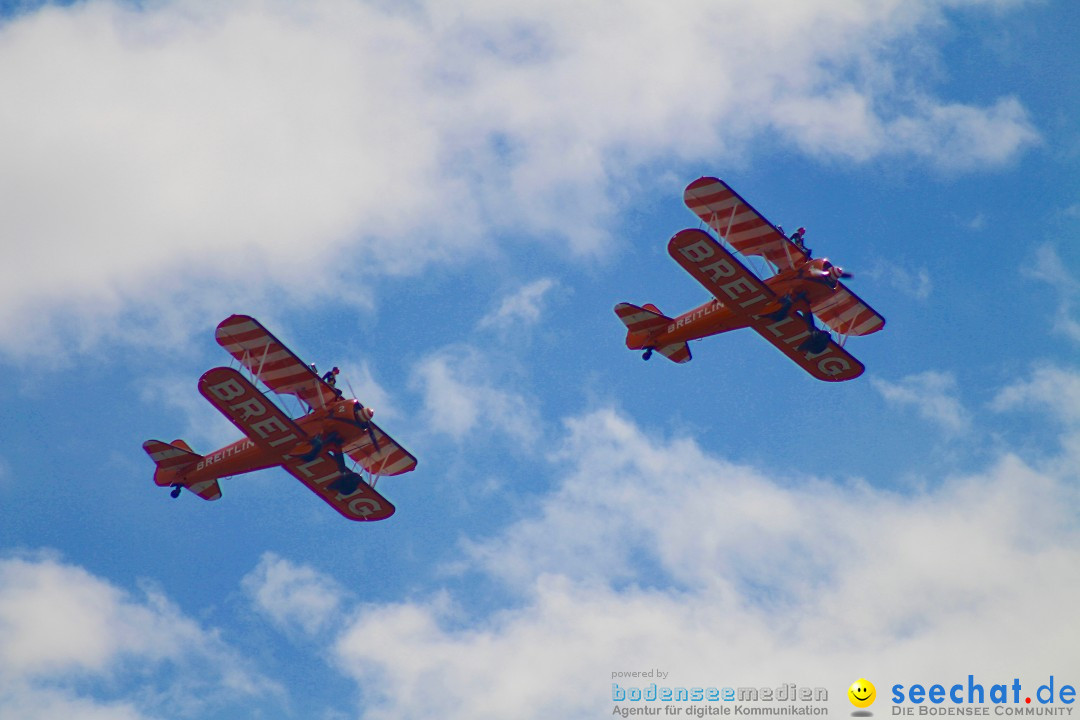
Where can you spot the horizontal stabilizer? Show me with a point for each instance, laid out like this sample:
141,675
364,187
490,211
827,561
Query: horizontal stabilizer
677,352
173,461
638,319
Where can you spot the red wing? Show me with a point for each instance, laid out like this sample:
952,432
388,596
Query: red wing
739,289
251,411
846,313
270,361
720,272
744,228
362,504
833,364
389,459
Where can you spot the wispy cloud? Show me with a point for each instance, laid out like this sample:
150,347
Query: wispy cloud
293,595
207,149
522,307
1052,388
651,552
58,621
461,399
1050,269
932,395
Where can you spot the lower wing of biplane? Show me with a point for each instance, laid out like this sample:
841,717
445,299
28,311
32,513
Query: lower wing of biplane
742,292
285,443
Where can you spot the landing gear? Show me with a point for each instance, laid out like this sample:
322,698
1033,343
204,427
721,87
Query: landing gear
317,444
785,307
176,490
647,354
816,343
786,303
347,483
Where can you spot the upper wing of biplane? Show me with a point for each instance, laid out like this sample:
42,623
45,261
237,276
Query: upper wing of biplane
847,313
744,228
742,291
263,354
272,430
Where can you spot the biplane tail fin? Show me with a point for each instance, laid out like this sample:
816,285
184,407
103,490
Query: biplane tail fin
173,460
643,324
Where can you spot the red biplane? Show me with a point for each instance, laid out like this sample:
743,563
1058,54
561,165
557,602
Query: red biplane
781,307
313,447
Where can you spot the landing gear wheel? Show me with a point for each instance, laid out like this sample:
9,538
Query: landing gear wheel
647,354
176,491
347,483
817,342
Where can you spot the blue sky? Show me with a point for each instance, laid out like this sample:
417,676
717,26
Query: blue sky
447,200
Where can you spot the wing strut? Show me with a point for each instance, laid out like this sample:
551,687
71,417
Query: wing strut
262,360
730,222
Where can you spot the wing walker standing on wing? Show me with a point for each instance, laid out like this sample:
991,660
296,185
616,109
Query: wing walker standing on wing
780,308
313,448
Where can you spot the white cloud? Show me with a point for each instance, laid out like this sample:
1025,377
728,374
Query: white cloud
962,137
913,282
293,595
902,274
59,623
653,553
161,158
39,703
932,394
1050,269
523,307
460,399
1052,388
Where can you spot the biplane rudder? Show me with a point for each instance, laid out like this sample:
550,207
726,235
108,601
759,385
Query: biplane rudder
172,460
642,324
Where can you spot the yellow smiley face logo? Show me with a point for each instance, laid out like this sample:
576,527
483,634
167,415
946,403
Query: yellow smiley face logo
862,693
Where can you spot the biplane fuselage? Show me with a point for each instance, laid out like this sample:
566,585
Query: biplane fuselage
245,456
713,317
